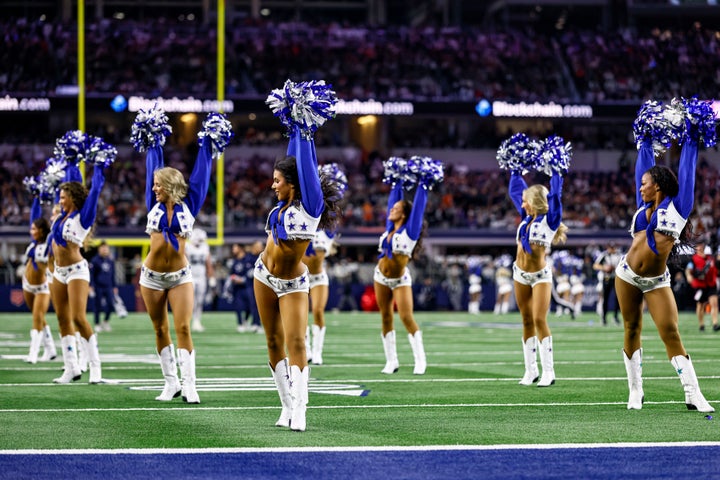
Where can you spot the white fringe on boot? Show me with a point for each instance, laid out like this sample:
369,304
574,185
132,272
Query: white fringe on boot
168,364
548,363
299,391
281,376
72,371
694,399
35,341
81,353
530,356
418,349
633,367
93,354
391,359
49,350
187,370
318,340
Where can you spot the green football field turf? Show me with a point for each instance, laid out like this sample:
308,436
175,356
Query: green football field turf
469,395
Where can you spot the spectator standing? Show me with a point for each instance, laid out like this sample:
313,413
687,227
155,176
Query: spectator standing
701,274
605,264
102,286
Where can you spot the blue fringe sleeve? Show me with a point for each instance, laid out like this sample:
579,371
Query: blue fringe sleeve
396,194
200,178
686,179
415,222
516,189
645,160
154,160
307,166
36,210
554,214
89,209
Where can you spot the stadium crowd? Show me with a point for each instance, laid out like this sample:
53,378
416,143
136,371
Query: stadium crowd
162,57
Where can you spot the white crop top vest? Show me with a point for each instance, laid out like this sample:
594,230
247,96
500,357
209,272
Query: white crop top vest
73,231
401,243
38,251
321,241
294,223
181,212
540,232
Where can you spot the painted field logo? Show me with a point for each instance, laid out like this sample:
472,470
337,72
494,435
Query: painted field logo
16,297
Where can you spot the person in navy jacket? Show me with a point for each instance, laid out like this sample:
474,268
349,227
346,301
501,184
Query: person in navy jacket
102,284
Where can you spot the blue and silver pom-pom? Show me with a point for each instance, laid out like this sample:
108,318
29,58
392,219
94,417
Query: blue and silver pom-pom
429,172
73,146
394,170
218,129
303,106
150,129
657,124
555,156
518,154
32,185
54,171
699,121
333,172
100,152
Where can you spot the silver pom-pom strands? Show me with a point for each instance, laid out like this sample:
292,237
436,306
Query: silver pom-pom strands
73,146
521,154
699,121
303,106
150,129
218,129
76,146
415,172
683,120
656,124
555,156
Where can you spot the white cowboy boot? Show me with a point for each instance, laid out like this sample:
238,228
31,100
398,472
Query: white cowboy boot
391,358
548,364
299,393
169,367
49,350
418,349
72,371
633,367
318,339
531,368
694,399
81,352
187,370
281,375
93,354
308,344
35,340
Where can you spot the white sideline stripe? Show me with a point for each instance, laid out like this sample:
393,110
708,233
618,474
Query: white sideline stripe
427,448
201,381
189,408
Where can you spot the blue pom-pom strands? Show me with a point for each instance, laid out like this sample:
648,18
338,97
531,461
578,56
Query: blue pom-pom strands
555,156
73,146
683,120
150,129
417,171
76,146
518,154
303,106
521,154
699,121
101,153
218,129
333,172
